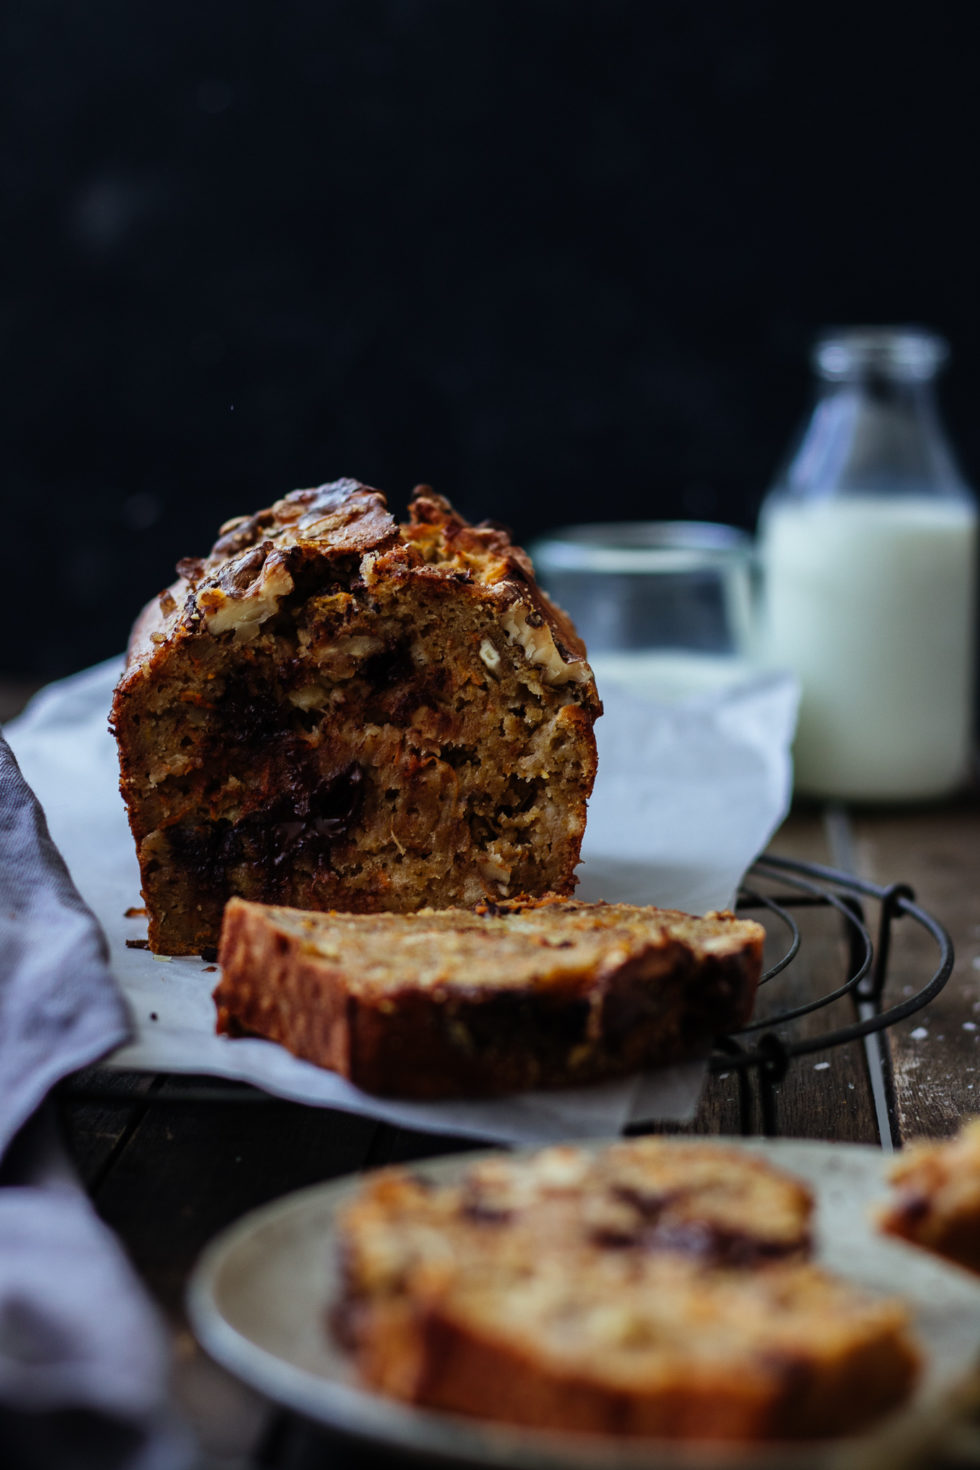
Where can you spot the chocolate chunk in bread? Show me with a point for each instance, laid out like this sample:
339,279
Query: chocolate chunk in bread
495,1295
335,711
517,994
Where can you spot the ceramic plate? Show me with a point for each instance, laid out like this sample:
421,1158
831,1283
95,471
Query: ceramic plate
260,1295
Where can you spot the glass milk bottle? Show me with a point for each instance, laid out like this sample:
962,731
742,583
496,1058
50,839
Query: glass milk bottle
869,552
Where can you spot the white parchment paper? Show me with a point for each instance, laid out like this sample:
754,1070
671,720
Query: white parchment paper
688,794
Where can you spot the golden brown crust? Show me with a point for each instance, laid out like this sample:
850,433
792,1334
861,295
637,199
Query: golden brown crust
757,1394
333,520
518,994
488,538
936,1197
639,1318
335,711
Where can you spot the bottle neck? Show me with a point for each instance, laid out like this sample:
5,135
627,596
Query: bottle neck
874,433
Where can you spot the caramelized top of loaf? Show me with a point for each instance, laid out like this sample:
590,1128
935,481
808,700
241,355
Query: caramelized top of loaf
258,560
513,944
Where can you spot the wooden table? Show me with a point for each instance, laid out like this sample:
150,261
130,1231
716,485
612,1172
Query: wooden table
167,1168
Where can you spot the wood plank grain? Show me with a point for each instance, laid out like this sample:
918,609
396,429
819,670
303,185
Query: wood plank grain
99,1110
826,1094
188,1171
175,1177
936,1054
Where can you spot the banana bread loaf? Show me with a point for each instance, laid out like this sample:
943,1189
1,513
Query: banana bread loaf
658,1288
336,711
512,995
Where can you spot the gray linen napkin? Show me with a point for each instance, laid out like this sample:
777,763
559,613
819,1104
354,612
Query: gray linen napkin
83,1355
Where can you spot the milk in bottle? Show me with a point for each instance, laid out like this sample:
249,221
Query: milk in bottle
869,551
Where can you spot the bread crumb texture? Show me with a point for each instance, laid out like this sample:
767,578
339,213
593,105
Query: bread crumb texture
512,995
654,1287
936,1197
335,711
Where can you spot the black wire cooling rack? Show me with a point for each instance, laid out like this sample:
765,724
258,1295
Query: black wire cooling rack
779,892
765,1049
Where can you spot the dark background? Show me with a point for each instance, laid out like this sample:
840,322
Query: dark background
563,261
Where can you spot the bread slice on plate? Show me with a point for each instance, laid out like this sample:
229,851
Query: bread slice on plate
936,1196
653,1288
332,710
512,995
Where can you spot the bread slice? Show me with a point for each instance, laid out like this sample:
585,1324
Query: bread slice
507,1295
332,710
520,994
936,1200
